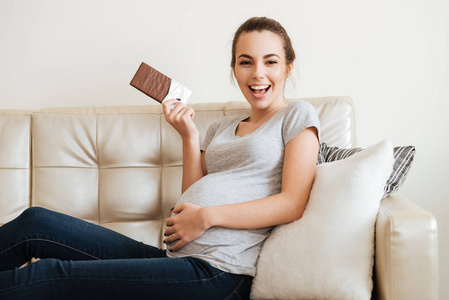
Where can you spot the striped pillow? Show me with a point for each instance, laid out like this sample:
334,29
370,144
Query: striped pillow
321,152
403,158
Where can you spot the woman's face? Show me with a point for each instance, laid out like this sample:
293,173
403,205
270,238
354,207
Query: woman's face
261,68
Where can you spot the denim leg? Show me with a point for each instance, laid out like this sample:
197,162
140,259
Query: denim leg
81,260
42,233
154,278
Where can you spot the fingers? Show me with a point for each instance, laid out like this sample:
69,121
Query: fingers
182,228
182,112
171,221
167,105
171,238
169,231
178,208
175,110
174,238
171,107
171,235
190,112
178,246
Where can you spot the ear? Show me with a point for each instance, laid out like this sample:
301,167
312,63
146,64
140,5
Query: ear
289,69
232,78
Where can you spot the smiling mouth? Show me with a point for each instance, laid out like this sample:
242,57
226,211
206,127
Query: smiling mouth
259,89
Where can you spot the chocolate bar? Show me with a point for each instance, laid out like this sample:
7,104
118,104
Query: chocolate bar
151,82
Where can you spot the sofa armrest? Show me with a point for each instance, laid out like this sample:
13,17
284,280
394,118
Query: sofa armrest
406,261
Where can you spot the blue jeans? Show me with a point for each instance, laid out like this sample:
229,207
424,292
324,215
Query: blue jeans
80,260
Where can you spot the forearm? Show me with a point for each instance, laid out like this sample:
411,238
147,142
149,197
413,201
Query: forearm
192,169
181,117
273,210
285,207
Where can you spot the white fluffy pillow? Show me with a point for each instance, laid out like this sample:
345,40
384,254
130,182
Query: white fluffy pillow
328,253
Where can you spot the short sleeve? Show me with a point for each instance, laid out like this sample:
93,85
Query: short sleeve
300,115
210,133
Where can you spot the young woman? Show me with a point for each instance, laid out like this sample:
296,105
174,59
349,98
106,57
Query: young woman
249,175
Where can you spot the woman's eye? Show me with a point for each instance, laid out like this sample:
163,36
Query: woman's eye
244,62
272,62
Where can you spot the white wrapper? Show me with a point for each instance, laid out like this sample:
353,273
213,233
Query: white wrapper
179,91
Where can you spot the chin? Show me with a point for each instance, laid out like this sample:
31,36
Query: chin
262,103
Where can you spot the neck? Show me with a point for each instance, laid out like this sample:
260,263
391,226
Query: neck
262,114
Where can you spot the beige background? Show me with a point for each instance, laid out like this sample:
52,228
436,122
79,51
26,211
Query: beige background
392,57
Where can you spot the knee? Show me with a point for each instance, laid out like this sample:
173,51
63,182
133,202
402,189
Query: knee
34,214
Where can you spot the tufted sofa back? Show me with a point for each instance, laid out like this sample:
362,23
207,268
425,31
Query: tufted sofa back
119,167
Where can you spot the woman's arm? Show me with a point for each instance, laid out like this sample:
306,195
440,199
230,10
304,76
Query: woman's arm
181,118
287,206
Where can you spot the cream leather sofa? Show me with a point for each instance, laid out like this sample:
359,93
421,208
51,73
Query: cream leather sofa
120,167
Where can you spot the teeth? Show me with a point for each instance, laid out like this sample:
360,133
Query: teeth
259,87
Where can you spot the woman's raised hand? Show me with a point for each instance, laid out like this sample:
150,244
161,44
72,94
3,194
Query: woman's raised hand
180,116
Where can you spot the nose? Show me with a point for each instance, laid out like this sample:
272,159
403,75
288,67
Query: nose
258,71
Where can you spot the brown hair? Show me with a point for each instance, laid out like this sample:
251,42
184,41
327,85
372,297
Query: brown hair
260,24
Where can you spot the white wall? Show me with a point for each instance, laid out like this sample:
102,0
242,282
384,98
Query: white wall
392,57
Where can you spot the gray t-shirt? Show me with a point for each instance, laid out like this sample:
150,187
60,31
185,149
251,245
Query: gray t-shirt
241,169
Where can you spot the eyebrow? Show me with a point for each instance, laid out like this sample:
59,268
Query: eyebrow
265,56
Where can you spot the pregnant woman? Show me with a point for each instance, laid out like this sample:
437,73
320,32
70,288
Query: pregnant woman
249,174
